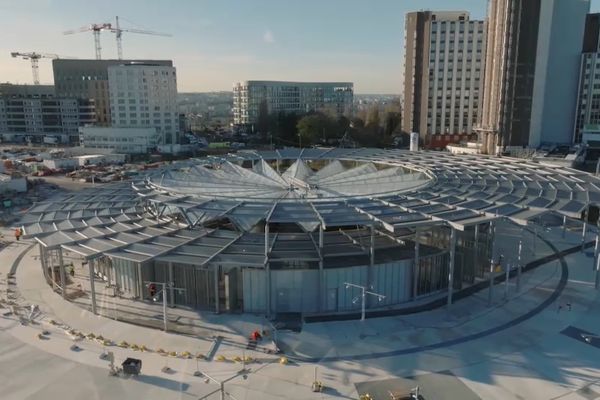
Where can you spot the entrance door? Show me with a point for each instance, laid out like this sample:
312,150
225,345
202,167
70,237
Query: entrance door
283,300
331,299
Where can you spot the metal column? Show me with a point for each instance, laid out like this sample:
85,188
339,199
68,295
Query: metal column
597,260
519,266
267,272
216,271
416,265
451,266
43,262
322,286
596,246
493,236
63,278
564,230
92,286
171,290
371,271
584,230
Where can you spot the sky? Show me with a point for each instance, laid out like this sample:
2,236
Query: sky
215,43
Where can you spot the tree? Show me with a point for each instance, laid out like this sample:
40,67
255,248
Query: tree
313,128
390,122
373,116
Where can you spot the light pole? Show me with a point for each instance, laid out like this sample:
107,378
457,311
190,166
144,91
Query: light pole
163,290
243,372
364,294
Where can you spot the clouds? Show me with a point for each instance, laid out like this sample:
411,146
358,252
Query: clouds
268,37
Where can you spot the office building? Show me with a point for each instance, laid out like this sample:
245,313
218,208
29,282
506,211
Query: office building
587,116
289,97
532,70
88,79
33,113
443,76
144,96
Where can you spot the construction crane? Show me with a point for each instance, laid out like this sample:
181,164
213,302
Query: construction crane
116,29
34,57
119,33
95,29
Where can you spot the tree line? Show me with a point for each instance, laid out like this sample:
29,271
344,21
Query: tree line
368,128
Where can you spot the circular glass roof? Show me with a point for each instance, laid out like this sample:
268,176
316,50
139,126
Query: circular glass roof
288,179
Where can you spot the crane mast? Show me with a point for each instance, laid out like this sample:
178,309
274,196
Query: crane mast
34,58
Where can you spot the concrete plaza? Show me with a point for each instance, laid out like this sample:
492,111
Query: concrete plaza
522,345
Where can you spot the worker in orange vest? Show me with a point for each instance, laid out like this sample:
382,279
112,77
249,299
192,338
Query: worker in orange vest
18,233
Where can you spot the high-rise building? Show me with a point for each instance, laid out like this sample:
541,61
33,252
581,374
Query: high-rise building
88,79
443,76
289,97
532,68
32,112
588,98
144,96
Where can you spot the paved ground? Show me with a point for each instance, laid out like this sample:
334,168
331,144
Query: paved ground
540,357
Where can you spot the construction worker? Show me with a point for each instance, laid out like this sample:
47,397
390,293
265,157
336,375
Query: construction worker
18,233
152,289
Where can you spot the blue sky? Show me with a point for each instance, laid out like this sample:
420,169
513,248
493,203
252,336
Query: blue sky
218,42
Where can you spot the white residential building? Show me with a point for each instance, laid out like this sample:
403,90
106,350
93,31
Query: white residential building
443,76
119,140
145,96
289,97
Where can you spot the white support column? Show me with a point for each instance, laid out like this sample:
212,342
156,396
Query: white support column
416,266
564,230
92,286
63,277
451,265
171,290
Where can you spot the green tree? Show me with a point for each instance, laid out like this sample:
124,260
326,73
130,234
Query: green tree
373,116
390,122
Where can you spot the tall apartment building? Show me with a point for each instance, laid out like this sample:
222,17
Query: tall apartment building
33,112
443,76
588,97
532,69
88,79
289,97
145,96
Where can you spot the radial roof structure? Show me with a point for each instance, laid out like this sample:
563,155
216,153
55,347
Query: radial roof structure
170,213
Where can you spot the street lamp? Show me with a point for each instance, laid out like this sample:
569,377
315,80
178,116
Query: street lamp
163,291
589,338
243,372
364,294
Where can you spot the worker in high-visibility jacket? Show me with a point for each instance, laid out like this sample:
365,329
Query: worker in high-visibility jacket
18,233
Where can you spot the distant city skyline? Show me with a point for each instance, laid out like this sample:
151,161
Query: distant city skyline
217,43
